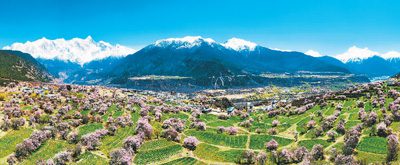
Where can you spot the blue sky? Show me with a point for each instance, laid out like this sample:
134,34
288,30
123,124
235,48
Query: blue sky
328,26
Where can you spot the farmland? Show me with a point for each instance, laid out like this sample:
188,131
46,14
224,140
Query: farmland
99,125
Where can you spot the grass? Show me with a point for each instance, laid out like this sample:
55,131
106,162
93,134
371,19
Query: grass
309,144
47,151
108,143
258,141
371,158
209,152
156,144
237,141
88,158
184,161
88,128
11,139
377,145
148,156
351,123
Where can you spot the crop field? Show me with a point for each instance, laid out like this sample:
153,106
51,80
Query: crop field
106,126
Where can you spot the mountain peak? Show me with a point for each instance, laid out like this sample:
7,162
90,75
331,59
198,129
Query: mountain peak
185,42
239,44
355,54
75,50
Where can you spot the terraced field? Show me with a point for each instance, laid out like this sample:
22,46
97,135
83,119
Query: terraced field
142,129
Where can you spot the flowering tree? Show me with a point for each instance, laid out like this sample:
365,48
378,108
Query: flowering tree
133,143
232,130
190,143
271,145
393,145
120,157
275,123
261,158
62,158
248,157
317,152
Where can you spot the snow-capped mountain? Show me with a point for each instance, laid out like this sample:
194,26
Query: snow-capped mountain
235,44
205,62
357,54
239,44
75,50
185,42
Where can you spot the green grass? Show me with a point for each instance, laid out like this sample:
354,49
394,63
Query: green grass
309,144
377,145
237,141
184,161
88,158
351,123
370,158
150,156
11,139
88,128
258,141
109,143
47,151
209,152
179,115
156,144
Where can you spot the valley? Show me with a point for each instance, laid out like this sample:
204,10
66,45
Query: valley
72,124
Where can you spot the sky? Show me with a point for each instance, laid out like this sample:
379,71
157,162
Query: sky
326,26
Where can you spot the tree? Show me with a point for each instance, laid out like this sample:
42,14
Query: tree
190,143
344,160
272,145
232,130
133,143
317,152
275,123
331,134
381,129
62,158
261,158
299,154
248,157
120,157
393,147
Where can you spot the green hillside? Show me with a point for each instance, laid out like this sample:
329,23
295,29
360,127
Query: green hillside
20,66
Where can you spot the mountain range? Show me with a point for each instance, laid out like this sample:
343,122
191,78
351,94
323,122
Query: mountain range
16,65
189,60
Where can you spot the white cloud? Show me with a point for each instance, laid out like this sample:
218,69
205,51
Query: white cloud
313,53
76,50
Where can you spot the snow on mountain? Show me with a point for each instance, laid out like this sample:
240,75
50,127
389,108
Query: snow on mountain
75,50
185,42
239,44
313,53
391,55
356,54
